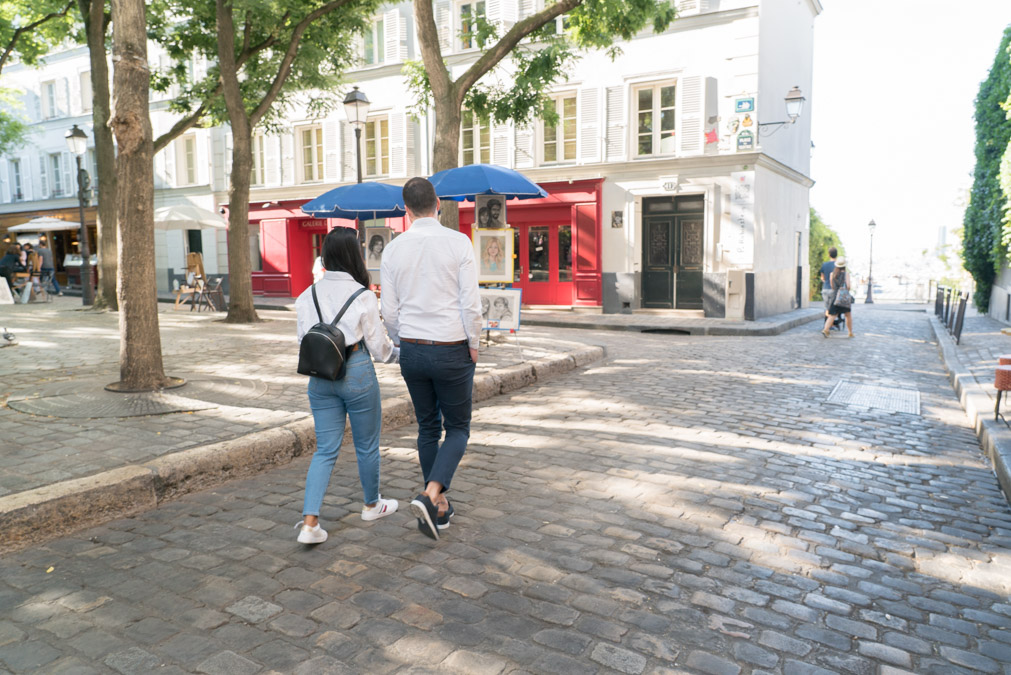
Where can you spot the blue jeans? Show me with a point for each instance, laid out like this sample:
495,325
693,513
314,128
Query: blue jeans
355,396
440,379
50,273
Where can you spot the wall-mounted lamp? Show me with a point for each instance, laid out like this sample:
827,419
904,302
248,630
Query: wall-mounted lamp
794,107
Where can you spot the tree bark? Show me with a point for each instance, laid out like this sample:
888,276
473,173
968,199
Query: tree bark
95,25
140,357
240,282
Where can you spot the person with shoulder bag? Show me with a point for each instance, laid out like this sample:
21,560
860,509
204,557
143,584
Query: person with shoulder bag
348,392
842,300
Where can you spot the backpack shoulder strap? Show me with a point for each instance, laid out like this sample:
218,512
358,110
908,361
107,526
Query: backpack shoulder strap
346,305
315,301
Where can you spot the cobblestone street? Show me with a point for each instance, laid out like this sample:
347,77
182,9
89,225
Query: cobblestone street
688,505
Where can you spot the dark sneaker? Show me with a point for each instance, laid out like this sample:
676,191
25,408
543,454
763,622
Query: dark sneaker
442,522
427,514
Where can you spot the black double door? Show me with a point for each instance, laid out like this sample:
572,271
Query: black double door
673,248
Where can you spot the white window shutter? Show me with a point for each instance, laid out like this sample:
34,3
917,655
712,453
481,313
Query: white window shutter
5,190
524,156
689,131
272,157
711,116
504,13
69,185
616,128
27,187
43,178
62,98
218,161
687,7
526,8
589,125
500,144
331,152
398,145
444,24
411,145
288,159
74,106
349,172
169,153
395,36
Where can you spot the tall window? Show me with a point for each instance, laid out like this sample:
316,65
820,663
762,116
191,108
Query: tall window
186,161
56,171
560,140
469,11
475,143
375,43
86,97
310,140
259,176
15,171
655,120
49,100
377,147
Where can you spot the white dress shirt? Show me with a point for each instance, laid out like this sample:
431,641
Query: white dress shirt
360,321
429,282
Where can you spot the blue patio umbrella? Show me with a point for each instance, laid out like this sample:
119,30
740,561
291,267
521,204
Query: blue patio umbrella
358,201
465,182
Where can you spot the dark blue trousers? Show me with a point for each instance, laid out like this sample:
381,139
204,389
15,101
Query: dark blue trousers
440,379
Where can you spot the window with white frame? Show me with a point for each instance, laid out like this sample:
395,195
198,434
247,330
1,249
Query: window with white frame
468,13
375,43
17,193
475,139
186,160
56,174
654,113
259,175
310,143
49,100
377,146
560,140
87,99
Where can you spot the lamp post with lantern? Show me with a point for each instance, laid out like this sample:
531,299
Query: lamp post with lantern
356,107
794,107
77,142
870,266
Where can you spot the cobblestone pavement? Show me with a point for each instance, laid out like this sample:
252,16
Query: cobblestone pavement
63,346
690,505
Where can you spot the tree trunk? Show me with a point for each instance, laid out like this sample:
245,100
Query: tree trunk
240,282
446,152
93,13
140,358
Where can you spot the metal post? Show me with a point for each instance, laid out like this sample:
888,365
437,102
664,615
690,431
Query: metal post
87,290
358,158
870,275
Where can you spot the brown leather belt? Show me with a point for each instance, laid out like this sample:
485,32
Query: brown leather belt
432,342
354,347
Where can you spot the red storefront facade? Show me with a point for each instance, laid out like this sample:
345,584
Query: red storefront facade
557,256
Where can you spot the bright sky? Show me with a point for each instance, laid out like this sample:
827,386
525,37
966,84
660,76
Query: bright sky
892,106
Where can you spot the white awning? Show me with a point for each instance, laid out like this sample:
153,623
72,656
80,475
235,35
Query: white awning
45,224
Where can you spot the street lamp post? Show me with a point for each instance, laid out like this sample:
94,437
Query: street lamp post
870,266
356,107
77,141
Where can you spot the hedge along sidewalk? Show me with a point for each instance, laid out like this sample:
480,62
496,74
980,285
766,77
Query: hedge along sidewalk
124,491
994,436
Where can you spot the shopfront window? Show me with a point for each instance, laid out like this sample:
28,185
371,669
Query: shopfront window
539,254
565,253
255,259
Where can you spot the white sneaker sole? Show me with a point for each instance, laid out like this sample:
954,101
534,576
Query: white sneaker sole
421,513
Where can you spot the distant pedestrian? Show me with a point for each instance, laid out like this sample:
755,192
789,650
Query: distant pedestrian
356,395
432,309
10,264
842,298
48,270
825,274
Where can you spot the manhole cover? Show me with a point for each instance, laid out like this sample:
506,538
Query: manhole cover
872,396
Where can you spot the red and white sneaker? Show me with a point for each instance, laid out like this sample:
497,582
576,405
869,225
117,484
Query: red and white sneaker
383,507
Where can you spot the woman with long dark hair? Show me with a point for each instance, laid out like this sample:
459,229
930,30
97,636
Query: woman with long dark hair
356,395
840,282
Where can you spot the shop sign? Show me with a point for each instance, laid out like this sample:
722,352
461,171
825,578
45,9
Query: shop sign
744,105
313,224
745,141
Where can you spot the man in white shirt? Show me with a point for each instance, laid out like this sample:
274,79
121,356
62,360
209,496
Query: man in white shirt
432,310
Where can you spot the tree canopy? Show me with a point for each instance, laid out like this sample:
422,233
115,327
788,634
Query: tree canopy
983,248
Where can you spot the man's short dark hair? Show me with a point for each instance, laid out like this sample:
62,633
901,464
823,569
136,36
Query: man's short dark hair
832,253
419,196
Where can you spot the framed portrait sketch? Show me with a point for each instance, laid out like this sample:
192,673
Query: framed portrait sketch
493,250
489,211
376,239
500,308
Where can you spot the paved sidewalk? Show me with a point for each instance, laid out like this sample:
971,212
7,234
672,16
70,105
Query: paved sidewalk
58,425
686,506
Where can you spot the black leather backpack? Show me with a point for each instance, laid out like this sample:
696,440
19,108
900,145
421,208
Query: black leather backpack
323,352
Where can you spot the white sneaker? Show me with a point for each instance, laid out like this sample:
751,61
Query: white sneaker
310,535
383,507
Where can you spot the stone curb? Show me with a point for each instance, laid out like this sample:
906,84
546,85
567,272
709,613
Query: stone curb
994,437
83,502
749,329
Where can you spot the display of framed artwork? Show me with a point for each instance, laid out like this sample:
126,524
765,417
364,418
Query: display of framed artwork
500,308
376,240
493,249
489,211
